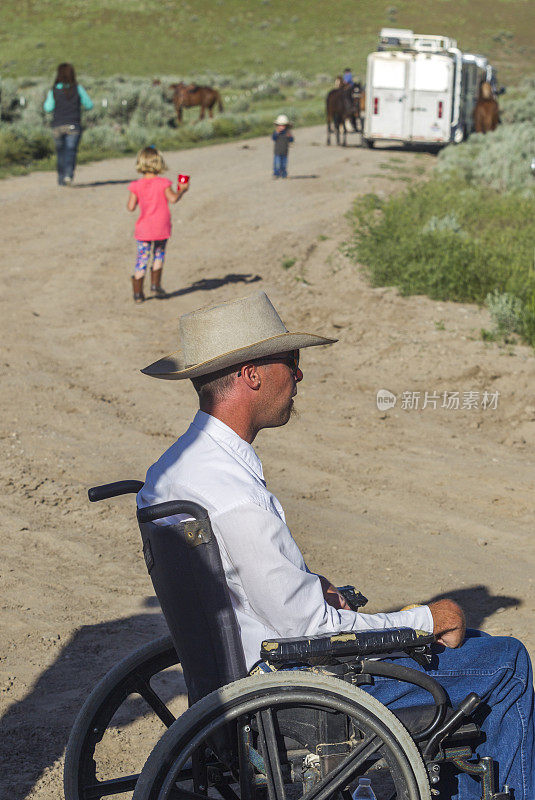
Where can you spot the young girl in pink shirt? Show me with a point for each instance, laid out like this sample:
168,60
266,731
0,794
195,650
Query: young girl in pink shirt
153,227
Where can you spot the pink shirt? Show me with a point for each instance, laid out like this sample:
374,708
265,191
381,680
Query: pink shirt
154,221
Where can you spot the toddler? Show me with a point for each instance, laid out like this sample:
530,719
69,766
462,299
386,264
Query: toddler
153,193
282,139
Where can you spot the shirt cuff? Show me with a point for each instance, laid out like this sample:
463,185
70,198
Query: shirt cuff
420,618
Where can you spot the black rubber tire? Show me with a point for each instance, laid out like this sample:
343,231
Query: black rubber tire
267,691
369,143
107,696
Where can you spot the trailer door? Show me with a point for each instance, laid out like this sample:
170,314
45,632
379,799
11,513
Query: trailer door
387,99
431,91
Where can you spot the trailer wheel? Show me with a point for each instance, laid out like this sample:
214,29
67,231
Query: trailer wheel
459,135
368,142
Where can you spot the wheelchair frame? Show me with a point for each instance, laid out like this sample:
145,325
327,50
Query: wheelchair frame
261,733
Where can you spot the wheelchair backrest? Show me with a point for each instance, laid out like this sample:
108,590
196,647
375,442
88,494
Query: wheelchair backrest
185,567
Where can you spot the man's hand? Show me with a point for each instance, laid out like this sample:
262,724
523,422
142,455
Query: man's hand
332,595
449,624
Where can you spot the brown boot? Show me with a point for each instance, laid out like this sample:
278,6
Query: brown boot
137,284
155,283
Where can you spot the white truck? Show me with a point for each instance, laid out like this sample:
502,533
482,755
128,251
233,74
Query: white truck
420,89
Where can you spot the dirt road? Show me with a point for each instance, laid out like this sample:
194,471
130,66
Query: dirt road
410,504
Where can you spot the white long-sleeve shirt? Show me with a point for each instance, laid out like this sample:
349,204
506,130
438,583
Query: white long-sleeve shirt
273,592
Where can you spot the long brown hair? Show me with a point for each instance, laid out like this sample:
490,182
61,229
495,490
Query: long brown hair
67,76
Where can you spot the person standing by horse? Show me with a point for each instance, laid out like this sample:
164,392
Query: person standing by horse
282,139
153,193
65,101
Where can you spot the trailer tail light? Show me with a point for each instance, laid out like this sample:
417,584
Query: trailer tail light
375,105
440,109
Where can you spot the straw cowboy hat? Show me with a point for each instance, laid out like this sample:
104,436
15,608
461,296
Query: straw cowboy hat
219,336
282,119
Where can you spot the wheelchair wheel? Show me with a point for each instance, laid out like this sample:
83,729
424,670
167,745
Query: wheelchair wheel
245,741
108,712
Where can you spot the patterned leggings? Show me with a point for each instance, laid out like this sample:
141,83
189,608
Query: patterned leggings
143,256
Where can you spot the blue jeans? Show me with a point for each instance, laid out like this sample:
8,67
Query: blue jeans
66,150
498,668
279,166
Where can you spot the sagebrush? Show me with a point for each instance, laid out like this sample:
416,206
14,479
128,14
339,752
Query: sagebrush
129,113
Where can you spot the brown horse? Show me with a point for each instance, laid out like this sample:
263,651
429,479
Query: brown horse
342,104
185,96
486,112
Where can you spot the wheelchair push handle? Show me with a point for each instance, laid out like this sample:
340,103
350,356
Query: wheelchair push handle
108,490
150,513
172,508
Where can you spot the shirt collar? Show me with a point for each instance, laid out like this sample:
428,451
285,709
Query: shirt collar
230,441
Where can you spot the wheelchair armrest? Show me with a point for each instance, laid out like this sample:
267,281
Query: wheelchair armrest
352,643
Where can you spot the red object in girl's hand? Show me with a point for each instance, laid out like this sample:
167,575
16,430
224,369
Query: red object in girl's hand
183,180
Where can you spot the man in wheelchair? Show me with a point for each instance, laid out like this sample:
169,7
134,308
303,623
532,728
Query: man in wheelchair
244,365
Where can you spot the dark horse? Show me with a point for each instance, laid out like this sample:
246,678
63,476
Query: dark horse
185,96
342,104
486,112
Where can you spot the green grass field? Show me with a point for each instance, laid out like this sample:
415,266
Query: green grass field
175,37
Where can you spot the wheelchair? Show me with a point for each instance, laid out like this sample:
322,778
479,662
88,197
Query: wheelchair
299,724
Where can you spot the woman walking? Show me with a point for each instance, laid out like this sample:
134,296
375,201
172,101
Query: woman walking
65,101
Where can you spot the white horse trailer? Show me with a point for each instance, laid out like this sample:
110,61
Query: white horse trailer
422,92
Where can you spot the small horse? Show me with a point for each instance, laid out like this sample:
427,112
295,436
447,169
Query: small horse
342,104
486,112
185,96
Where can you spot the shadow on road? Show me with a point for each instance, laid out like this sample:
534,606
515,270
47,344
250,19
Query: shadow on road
478,603
34,730
207,284
99,183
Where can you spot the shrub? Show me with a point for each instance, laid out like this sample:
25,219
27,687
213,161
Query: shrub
240,105
289,78
10,108
103,137
266,90
229,125
506,311
22,145
519,104
448,222
528,321
500,159
303,94
448,240
129,112
152,110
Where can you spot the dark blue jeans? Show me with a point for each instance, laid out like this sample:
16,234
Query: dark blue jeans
498,668
66,150
279,166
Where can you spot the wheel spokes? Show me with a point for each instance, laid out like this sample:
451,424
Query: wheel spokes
148,694
265,735
341,774
113,786
269,748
